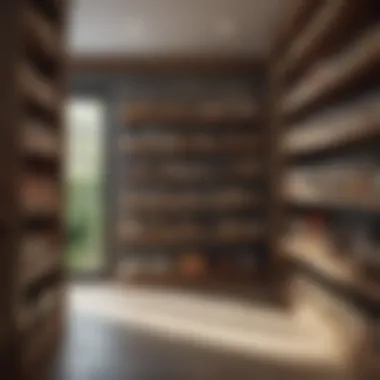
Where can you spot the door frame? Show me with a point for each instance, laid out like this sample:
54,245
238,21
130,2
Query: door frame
99,94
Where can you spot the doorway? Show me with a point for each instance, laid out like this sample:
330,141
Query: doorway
85,119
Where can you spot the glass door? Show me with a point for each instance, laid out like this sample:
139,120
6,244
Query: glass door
84,185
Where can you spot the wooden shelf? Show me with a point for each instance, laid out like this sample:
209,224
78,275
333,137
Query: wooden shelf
38,90
354,188
40,195
333,201
168,114
325,110
188,202
183,157
39,258
348,325
181,121
39,270
175,153
177,173
33,79
336,74
355,123
191,145
40,34
320,256
327,23
40,141
190,234
293,22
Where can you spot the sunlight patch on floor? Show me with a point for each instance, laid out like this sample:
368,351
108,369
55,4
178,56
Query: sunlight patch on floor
223,323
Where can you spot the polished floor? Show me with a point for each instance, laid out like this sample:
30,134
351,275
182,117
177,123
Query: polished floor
119,334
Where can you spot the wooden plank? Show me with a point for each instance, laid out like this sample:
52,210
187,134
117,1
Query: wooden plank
330,24
352,186
170,202
169,173
40,34
296,18
40,257
206,113
301,197
153,65
348,327
336,74
354,123
202,144
317,254
41,141
38,89
231,232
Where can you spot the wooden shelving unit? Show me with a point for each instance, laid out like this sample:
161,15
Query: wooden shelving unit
41,142
353,187
326,114
206,202
317,253
335,74
201,145
194,187
207,113
243,170
31,141
227,232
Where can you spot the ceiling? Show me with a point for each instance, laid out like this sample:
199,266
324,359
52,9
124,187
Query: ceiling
173,27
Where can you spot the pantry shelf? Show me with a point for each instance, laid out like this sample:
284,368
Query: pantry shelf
38,90
352,127
174,235
326,114
237,144
335,75
323,31
32,140
185,165
317,254
140,114
40,34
